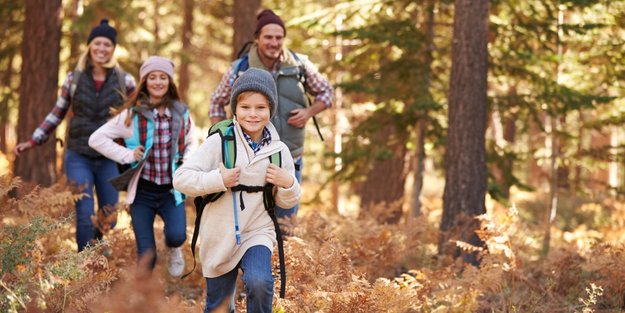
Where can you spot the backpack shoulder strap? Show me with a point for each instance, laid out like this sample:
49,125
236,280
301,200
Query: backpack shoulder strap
74,84
238,66
244,49
302,79
270,204
302,69
276,159
121,79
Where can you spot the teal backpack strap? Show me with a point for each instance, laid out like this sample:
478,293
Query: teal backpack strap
225,130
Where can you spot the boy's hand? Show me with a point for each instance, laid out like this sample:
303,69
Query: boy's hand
279,176
230,176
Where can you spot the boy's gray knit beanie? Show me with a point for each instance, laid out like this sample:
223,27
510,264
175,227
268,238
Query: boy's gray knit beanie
256,80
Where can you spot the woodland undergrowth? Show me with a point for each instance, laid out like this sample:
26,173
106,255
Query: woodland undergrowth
334,263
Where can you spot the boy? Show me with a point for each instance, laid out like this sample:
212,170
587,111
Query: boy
222,250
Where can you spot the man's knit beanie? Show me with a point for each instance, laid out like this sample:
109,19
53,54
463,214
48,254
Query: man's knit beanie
156,63
268,17
256,80
103,30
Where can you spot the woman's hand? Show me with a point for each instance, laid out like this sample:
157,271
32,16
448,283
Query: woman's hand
138,152
230,176
22,146
279,176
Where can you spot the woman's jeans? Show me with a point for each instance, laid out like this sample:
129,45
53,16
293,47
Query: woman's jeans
89,172
143,210
256,266
280,212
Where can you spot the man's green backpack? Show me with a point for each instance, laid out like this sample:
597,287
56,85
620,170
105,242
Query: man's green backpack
225,130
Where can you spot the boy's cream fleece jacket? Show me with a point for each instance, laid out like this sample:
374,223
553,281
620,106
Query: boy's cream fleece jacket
199,175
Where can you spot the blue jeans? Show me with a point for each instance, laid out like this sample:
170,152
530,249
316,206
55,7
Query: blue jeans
280,212
89,172
256,266
143,210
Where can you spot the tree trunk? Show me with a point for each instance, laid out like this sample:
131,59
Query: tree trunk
244,12
509,134
4,103
74,14
419,156
187,33
504,134
385,181
555,120
419,168
39,83
465,156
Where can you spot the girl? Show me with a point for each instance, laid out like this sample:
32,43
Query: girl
156,128
222,251
91,90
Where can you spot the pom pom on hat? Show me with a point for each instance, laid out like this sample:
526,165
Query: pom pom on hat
103,30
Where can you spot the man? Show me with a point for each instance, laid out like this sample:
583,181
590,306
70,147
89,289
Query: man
295,76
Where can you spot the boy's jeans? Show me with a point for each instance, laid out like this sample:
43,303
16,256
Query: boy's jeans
89,172
280,212
256,266
143,211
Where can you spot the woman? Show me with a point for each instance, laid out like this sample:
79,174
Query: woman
91,90
156,128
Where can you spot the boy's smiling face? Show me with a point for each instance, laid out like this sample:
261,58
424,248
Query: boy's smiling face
252,113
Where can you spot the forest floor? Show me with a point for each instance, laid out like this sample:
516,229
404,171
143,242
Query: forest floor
335,263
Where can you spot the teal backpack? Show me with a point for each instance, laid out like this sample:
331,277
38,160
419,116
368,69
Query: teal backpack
225,130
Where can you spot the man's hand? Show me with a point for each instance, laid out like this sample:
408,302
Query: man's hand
299,117
279,176
230,176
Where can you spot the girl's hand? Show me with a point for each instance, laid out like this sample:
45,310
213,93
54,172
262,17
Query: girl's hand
138,152
22,146
279,176
230,176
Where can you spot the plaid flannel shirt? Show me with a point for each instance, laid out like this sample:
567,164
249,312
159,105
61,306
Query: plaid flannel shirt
157,169
264,140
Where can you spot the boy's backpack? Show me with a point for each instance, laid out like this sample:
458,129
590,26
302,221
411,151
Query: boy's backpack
225,130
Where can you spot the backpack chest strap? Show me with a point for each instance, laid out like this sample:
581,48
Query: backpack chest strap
268,200
249,189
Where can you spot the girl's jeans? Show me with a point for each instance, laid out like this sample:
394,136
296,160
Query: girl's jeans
256,266
143,210
89,172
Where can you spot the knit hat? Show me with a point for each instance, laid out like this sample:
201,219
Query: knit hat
103,30
268,17
256,80
156,63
